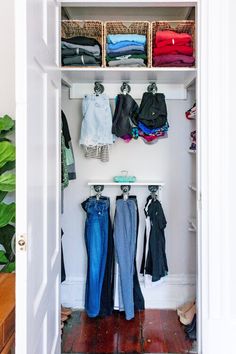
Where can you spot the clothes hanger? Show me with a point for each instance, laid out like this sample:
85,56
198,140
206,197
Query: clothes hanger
125,88
153,190
152,87
125,189
98,88
98,189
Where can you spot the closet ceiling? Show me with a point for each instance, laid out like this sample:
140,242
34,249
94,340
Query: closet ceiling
130,13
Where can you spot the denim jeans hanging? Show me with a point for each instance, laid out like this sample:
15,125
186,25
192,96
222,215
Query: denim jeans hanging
96,240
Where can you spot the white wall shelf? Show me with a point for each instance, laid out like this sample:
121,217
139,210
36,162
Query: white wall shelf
144,183
124,3
184,76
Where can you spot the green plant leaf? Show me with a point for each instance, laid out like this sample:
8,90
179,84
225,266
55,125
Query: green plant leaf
6,234
9,268
7,213
7,182
7,152
6,123
3,258
2,195
7,167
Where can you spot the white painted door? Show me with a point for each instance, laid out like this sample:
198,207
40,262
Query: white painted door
38,177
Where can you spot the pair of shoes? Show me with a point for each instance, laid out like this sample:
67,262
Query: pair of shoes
186,316
191,329
184,308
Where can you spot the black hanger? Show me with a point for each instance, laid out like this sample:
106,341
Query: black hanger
152,87
98,88
125,88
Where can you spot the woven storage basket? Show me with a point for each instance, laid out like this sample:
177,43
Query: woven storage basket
129,27
177,26
91,29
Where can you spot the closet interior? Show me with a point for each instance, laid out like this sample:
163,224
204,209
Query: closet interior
118,62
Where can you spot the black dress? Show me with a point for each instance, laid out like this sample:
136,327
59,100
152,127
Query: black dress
156,263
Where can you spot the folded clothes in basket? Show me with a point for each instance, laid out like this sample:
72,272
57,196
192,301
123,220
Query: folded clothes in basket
81,51
126,50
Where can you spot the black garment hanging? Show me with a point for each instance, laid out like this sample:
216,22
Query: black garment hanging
63,272
153,111
156,262
125,116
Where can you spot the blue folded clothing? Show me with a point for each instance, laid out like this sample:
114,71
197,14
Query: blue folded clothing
122,44
148,131
127,49
115,38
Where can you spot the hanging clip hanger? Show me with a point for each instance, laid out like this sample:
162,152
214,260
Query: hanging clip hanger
125,189
125,88
98,88
98,189
153,190
152,87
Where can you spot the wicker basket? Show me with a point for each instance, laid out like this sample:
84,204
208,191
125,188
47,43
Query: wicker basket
91,29
129,27
177,26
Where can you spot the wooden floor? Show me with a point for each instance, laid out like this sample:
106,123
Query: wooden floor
152,331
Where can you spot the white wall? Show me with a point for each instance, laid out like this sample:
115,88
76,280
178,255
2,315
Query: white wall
167,161
7,59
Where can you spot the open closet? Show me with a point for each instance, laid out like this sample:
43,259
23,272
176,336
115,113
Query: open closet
162,162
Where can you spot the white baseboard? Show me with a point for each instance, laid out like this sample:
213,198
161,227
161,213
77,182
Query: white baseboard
173,291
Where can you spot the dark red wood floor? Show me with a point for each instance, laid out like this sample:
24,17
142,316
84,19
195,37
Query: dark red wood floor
151,331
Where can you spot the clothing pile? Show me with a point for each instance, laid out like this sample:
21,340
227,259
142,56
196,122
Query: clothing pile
80,51
96,130
193,137
126,50
173,49
149,121
192,112
188,317
154,262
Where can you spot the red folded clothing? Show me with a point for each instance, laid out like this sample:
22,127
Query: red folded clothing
173,60
173,49
178,41
164,35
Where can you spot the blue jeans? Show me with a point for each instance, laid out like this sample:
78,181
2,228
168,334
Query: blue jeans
96,240
125,229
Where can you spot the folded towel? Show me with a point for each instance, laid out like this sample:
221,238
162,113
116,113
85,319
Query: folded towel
176,59
172,41
81,40
127,62
80,60
129,56
164,35
94,50
173,49
114,38
127,49
122,44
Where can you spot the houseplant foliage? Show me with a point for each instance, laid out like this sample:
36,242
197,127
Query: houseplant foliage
7,185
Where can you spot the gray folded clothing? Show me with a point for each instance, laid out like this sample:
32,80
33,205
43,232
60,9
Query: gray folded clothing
69,52
81,60
134,62
93,49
